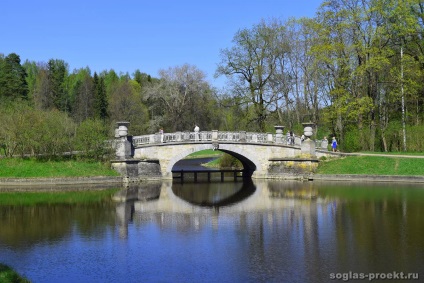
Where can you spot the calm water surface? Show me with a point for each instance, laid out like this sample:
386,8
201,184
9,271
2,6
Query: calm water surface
263,231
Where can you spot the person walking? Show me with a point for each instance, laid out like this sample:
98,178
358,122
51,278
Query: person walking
334,144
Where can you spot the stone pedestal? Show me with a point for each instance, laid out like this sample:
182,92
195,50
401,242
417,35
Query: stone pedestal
324,144
279,134
122,145
214,135
269,138
243,136
308,146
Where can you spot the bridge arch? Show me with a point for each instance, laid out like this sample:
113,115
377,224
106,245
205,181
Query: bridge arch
249,161
183,153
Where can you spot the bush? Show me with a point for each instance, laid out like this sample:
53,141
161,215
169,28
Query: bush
228,161
91,140
27,131
351,141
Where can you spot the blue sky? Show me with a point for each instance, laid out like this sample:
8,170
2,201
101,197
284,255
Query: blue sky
128,35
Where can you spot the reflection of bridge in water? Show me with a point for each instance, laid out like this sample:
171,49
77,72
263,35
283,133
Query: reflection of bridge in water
208,175
160,203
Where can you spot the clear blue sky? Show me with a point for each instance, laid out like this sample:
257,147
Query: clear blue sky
134,34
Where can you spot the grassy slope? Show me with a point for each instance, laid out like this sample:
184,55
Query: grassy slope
373,165
205,153
9,275
26,168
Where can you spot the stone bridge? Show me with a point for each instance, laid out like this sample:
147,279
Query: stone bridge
263,155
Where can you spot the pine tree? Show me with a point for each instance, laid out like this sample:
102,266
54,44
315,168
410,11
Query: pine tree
100,104
12,78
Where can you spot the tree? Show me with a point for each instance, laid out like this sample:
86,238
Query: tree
125,104
41,95
100,98
31,69
12,78
57,74
252,63
90,139
181,94
83,95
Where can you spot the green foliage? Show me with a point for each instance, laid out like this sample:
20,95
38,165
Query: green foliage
228,161
28,131
253,65
415,139
91,140
57,72
181,99
126,105
13,84
82,95
352,141
100,98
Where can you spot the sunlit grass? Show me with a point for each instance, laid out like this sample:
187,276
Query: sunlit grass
27,168
8,275
373,165
205,153
394,153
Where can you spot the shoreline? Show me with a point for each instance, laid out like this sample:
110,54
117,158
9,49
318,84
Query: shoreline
96,181
61,181
367,178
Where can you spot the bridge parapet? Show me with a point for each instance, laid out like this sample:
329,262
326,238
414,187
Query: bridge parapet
218,136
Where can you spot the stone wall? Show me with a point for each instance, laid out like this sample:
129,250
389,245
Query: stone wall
292,168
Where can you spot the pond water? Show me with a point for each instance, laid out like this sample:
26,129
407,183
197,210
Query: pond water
258,231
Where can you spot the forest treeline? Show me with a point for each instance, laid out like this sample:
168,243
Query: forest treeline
356,70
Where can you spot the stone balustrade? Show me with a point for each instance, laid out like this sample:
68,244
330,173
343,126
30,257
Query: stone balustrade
220,136
209,136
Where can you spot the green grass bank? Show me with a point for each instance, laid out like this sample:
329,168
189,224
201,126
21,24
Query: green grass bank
8,275
373,165
31,167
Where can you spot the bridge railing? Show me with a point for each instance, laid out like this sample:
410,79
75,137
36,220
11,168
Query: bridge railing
218,136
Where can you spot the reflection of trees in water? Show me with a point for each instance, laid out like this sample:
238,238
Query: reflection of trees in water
379,219
23,226
292,189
